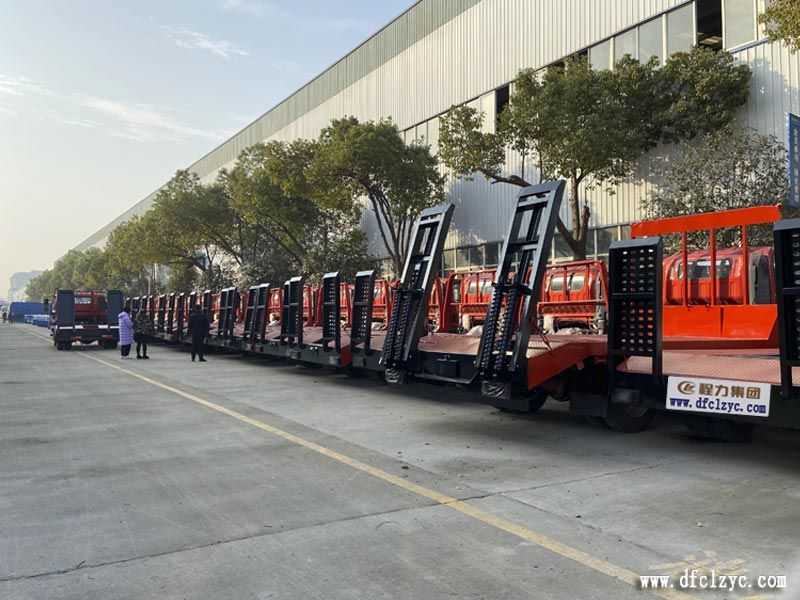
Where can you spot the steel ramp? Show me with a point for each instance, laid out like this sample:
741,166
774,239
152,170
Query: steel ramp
331,309
502,355
292,312
410,313
787,276
228,305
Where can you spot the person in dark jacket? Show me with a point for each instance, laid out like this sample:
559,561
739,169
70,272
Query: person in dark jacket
198,329
142,329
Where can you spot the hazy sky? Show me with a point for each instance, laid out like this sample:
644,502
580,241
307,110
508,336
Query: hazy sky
101,102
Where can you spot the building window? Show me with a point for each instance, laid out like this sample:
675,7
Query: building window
604,239
492,253
591,244
488,108
561,248
625,43
651,40
600,56
449,259
476,255
680,30
709,24
462,259
433,135
502,97
739,22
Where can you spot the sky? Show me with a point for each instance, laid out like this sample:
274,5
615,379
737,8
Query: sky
101,102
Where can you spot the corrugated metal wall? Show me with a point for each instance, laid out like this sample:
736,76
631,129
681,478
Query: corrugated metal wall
445,52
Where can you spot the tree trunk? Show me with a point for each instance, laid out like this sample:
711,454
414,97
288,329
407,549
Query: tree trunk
575,239
580,220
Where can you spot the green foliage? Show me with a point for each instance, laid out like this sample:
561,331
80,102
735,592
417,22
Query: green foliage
301,231
40,287
590,127
465,148
370,160
781,21
74,271
129,260
730,168
700,92
182,277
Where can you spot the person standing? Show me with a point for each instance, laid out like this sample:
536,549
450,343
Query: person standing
5,316
125,331
142,329
10,317
198,329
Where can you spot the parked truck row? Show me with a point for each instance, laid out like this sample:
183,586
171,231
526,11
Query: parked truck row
612,340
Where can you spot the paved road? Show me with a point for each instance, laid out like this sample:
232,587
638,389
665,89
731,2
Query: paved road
240,478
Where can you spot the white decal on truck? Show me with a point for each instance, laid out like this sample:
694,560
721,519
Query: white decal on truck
718,396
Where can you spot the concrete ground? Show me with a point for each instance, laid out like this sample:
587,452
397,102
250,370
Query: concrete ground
240,478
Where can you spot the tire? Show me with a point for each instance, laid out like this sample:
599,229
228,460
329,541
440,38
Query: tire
536,399
597,422
628,419
732,431
309,365
723,430
353,372
698,426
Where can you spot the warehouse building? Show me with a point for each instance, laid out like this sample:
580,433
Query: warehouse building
445,52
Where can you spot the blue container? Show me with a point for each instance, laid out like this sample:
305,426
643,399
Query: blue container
18,310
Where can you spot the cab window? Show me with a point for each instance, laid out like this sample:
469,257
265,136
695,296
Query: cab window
701,269
457,291
761,282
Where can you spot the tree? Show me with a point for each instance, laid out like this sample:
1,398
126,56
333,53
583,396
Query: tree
182,277
370,160
590,127
40,287
301,232
700,92
781,21
129,258
730,168
187,223
73,271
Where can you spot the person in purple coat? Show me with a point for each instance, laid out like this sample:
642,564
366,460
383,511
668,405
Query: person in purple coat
125,331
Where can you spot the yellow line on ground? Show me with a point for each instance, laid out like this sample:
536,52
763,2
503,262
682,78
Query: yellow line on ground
543,541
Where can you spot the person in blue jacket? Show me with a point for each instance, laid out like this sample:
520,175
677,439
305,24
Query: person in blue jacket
125,331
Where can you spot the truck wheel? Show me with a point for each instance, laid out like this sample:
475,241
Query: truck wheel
628,419
699,427
353,372
536,399
732,431
723,430
597,422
